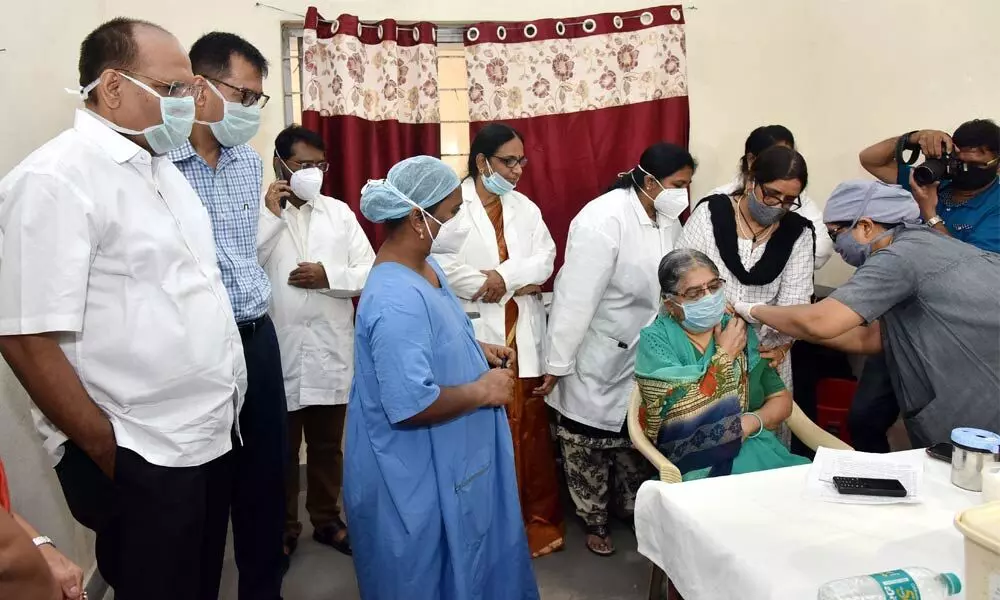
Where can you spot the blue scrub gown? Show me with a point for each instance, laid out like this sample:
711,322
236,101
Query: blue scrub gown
433,511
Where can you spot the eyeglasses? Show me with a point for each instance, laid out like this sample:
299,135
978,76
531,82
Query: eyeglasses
248,97
993,164
697,293
512,161
322,165
775,198
167,89
833,233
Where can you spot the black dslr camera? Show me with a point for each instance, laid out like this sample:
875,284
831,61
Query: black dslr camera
937,169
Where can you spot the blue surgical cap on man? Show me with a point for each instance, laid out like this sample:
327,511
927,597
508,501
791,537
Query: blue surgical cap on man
880,202
421,181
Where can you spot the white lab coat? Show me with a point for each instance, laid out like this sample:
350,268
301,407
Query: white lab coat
809,210
531,256
605,294
316,327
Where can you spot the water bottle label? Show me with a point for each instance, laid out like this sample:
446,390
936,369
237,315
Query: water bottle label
897,585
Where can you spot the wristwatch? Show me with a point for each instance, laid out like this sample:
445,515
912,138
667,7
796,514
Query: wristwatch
42,540
934,221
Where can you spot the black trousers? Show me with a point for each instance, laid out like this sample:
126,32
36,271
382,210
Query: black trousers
874,409
259,482
161,531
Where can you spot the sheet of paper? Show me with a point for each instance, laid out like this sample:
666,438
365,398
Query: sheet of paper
907,468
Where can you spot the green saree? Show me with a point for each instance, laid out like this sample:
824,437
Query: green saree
692,403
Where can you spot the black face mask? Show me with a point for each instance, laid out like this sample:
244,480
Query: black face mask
973,179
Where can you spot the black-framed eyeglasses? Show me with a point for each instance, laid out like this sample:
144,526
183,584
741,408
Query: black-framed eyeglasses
248,97
699,292
774,198
512,161
167,89
833,233
322,165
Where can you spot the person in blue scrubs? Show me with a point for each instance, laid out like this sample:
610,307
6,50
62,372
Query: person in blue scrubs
430,489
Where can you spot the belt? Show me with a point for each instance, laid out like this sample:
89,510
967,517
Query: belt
250,327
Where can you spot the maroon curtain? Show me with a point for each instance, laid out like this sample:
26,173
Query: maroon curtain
371,91
589,94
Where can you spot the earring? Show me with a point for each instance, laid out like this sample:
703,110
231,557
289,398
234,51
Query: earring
421,235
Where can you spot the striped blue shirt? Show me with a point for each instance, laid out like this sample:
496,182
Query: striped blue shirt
231,193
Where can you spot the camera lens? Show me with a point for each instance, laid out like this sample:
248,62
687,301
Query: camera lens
929,171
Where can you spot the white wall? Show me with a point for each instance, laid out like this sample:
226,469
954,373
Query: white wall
840,73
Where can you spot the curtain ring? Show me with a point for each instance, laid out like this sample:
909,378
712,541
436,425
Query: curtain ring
501,33
618,22
675,14
380,31
434,34
472,34
334,26
560,28
530,31
589,26
359,29
416,33
646,18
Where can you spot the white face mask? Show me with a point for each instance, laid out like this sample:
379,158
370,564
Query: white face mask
451,235
306,183
670,202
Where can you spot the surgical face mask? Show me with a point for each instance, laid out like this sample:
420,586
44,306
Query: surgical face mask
762,213
239,123
670,202
177,115
451,234
705,313
973,179
851,250
496,183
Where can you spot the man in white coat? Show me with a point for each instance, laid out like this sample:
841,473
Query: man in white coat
317,258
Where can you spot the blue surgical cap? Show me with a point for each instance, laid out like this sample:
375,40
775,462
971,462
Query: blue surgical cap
880,202
422,181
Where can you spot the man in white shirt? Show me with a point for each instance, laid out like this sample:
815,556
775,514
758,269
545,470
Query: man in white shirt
115,319
317,258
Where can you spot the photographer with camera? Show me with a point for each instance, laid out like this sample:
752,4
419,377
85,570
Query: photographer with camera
956,186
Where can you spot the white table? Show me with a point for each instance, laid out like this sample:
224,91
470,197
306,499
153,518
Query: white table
756,537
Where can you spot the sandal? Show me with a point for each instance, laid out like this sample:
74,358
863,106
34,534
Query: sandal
604,534
328,535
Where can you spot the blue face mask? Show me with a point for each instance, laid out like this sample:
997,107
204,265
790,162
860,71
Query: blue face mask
172,133
851,250
495,183
705,313
239,123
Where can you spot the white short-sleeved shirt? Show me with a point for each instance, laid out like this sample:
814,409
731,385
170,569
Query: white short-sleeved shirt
112,248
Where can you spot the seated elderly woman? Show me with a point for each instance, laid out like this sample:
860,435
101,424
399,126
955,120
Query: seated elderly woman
710,403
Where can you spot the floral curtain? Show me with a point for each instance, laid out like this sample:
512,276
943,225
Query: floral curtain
371,91
589,94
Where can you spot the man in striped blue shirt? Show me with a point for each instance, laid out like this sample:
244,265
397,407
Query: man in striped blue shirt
227,174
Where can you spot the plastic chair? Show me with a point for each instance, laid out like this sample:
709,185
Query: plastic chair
834,397
811,434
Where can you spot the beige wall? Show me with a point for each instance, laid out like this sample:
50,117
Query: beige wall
839,73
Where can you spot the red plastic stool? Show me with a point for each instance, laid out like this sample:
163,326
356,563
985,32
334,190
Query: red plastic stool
833,401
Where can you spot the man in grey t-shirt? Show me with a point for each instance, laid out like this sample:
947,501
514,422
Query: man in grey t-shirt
931,302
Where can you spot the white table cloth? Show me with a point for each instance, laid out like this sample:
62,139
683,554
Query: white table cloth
756,537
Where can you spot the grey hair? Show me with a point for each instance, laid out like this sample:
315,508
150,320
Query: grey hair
675,265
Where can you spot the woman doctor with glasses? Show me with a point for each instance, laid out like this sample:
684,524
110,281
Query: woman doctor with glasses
506,254
764,250
606,292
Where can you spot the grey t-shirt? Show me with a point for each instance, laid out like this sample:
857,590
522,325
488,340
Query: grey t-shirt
938,300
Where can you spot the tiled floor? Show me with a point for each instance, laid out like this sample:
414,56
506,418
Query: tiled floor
321,573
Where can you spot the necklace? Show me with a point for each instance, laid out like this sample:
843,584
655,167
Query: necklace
750,232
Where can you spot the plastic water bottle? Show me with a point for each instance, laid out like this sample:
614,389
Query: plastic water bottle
910,583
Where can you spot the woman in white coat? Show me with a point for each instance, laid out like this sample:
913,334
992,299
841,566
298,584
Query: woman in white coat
503,255
605,293
317,258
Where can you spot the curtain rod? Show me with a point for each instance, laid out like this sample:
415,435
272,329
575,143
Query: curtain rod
301,16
